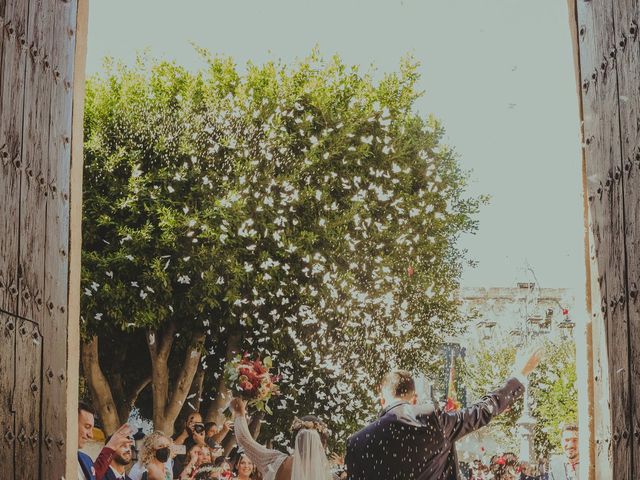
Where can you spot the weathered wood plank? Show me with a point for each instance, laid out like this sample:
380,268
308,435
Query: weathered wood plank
37,105
587,32
12,66
27,399
33,190
54,326
7,374
628,70
75,239
603,155
584,338
3,7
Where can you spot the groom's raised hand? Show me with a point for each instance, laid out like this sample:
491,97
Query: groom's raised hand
527,360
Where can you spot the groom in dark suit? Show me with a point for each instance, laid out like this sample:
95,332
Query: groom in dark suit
417,442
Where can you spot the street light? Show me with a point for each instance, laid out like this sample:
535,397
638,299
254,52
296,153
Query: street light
486,326
138,440
534,325
567,326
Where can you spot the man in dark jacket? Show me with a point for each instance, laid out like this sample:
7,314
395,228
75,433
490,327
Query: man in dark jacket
87,468
417,442
118,468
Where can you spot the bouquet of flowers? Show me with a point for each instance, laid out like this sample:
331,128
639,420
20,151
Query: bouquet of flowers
252,380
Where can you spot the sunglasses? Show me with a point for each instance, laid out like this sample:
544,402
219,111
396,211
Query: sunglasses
198,428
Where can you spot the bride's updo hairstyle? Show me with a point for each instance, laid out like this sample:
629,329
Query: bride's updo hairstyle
309,422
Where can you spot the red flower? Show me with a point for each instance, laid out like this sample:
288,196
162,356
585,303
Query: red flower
501,461
259,367
246,386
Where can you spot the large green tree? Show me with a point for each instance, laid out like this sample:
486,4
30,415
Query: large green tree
306,212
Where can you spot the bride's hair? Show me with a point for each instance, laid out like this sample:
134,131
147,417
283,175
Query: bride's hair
309,422
310,462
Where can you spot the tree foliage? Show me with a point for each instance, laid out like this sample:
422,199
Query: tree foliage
305,212
553,392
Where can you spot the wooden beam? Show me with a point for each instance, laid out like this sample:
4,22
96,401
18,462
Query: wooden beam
75,236
607,227
624,55
584,334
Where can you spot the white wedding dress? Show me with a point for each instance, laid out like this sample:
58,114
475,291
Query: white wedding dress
309,459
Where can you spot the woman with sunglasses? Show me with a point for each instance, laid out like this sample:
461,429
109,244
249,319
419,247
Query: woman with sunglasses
194,431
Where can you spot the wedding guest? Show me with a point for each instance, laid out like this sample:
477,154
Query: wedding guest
224,469
198,455
155,452
215,433
215,449
118,467
192,434
567,467
87,469
244,468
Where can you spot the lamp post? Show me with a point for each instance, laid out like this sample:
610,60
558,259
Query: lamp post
534,325
486,327
138,439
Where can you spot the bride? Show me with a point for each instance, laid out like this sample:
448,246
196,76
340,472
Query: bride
309,460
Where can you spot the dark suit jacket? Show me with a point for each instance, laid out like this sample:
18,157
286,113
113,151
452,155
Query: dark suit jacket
416,442
112,476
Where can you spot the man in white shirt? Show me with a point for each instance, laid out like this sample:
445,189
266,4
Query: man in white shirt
566,467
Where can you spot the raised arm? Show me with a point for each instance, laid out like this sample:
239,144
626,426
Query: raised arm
458,424
120,438
263,457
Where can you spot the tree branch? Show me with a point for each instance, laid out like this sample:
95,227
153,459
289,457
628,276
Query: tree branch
223,396
185,379
159,377
166,340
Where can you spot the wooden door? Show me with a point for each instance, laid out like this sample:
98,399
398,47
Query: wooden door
38,334
608,67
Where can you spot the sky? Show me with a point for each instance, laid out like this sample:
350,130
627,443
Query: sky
498,73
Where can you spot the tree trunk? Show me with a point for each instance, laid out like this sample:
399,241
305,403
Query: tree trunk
128,401
99,386
196,390
215,413
194,398
166,403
